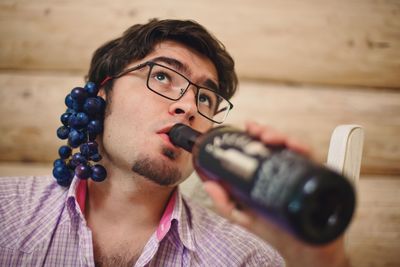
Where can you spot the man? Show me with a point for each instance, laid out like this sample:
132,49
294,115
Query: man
137,216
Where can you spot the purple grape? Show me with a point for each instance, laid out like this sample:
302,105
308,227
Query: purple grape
64,152
93,148
78,157
103,103
89,149
79,95
72,164
83,171
63,132
92,106
69,101
95,127
99,173
64,118
78,120
77,107
84,148
59,162
91,89
63,175
75,138
70,110
73,121
65,182
83,119
96,157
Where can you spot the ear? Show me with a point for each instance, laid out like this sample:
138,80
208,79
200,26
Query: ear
102,93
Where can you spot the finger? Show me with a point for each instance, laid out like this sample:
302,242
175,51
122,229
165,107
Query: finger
273,137
254,129
299,147
265,133
270,136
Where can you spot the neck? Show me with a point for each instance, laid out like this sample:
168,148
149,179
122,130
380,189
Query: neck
122,197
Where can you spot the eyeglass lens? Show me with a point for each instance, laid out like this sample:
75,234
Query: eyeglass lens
173,85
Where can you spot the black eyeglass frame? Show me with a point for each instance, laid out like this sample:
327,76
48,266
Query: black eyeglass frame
151,64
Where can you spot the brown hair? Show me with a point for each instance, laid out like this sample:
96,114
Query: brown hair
139,40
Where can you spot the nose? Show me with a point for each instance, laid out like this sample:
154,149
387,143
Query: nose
185,107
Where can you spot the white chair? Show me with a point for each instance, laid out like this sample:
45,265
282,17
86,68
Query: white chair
345,151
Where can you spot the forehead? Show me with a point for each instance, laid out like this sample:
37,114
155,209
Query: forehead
196,66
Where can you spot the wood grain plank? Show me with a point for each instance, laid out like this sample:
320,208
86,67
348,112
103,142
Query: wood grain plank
336,42
375,232
11,169
30,106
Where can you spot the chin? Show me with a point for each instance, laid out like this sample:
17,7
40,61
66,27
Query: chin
159,171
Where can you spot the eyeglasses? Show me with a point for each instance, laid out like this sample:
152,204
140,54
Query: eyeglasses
172,85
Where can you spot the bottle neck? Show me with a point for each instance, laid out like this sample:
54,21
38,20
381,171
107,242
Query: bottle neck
183,136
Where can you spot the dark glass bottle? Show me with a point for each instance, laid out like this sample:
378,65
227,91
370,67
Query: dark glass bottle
310,201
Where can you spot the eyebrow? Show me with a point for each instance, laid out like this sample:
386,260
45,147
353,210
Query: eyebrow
211,85
176,64
181,67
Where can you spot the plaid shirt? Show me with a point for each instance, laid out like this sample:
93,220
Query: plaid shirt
42,224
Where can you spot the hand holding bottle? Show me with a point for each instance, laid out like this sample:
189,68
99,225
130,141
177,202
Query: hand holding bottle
262,171
295,252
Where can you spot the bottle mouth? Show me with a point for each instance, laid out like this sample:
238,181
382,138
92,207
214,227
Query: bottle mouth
322,215
183,136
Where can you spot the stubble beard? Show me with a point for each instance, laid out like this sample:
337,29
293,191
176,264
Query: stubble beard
158,170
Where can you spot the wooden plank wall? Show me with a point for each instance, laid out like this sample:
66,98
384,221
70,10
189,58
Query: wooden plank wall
305,67
336,42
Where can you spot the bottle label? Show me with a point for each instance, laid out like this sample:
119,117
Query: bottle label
277,178
268,175
237,153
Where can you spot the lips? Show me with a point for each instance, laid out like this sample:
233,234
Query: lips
167,128
163,132
165,137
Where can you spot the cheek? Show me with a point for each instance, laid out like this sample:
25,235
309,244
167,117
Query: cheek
121,131
126,111
204,125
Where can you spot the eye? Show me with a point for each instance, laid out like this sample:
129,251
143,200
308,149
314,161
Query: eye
206,100
162,77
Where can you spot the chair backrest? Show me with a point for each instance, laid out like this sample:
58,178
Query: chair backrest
345,151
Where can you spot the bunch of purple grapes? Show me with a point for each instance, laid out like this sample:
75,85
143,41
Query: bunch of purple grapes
82,123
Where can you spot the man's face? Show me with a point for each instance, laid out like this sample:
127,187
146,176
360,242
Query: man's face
137,121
